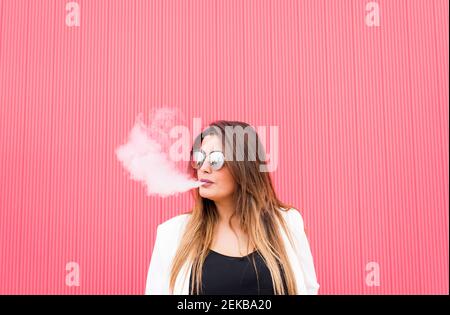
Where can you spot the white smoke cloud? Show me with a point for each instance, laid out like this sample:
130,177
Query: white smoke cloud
145,156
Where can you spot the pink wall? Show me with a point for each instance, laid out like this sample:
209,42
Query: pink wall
363,116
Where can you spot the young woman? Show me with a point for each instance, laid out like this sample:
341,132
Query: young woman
239,238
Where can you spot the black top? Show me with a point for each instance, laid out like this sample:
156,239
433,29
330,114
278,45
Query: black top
223,274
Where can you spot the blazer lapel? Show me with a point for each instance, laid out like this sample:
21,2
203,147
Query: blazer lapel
295,263
182,281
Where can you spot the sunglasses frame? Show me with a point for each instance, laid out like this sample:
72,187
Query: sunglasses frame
206,157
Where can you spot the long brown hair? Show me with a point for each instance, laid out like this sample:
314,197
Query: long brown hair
257,208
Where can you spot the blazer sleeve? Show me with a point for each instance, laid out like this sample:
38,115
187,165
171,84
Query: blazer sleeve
304,253
158,273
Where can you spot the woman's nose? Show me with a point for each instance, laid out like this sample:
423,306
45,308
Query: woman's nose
205,167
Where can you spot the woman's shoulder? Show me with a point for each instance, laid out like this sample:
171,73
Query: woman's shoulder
175,223
291,213
293,217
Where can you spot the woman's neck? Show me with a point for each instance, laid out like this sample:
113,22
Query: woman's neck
225,208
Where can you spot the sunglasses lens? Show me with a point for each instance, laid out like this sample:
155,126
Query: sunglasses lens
216,160
197,159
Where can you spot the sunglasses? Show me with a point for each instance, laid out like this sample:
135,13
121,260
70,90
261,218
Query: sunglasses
216,159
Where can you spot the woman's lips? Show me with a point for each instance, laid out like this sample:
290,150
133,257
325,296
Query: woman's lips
206,182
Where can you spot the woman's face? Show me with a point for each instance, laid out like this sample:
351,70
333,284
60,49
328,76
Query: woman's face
223,185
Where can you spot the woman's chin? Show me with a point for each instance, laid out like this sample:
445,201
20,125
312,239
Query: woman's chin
205,193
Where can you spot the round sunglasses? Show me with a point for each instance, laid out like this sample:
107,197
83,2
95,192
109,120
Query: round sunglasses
216,159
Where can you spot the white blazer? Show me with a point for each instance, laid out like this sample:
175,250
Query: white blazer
168,236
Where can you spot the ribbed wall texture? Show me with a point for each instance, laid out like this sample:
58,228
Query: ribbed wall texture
362,114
